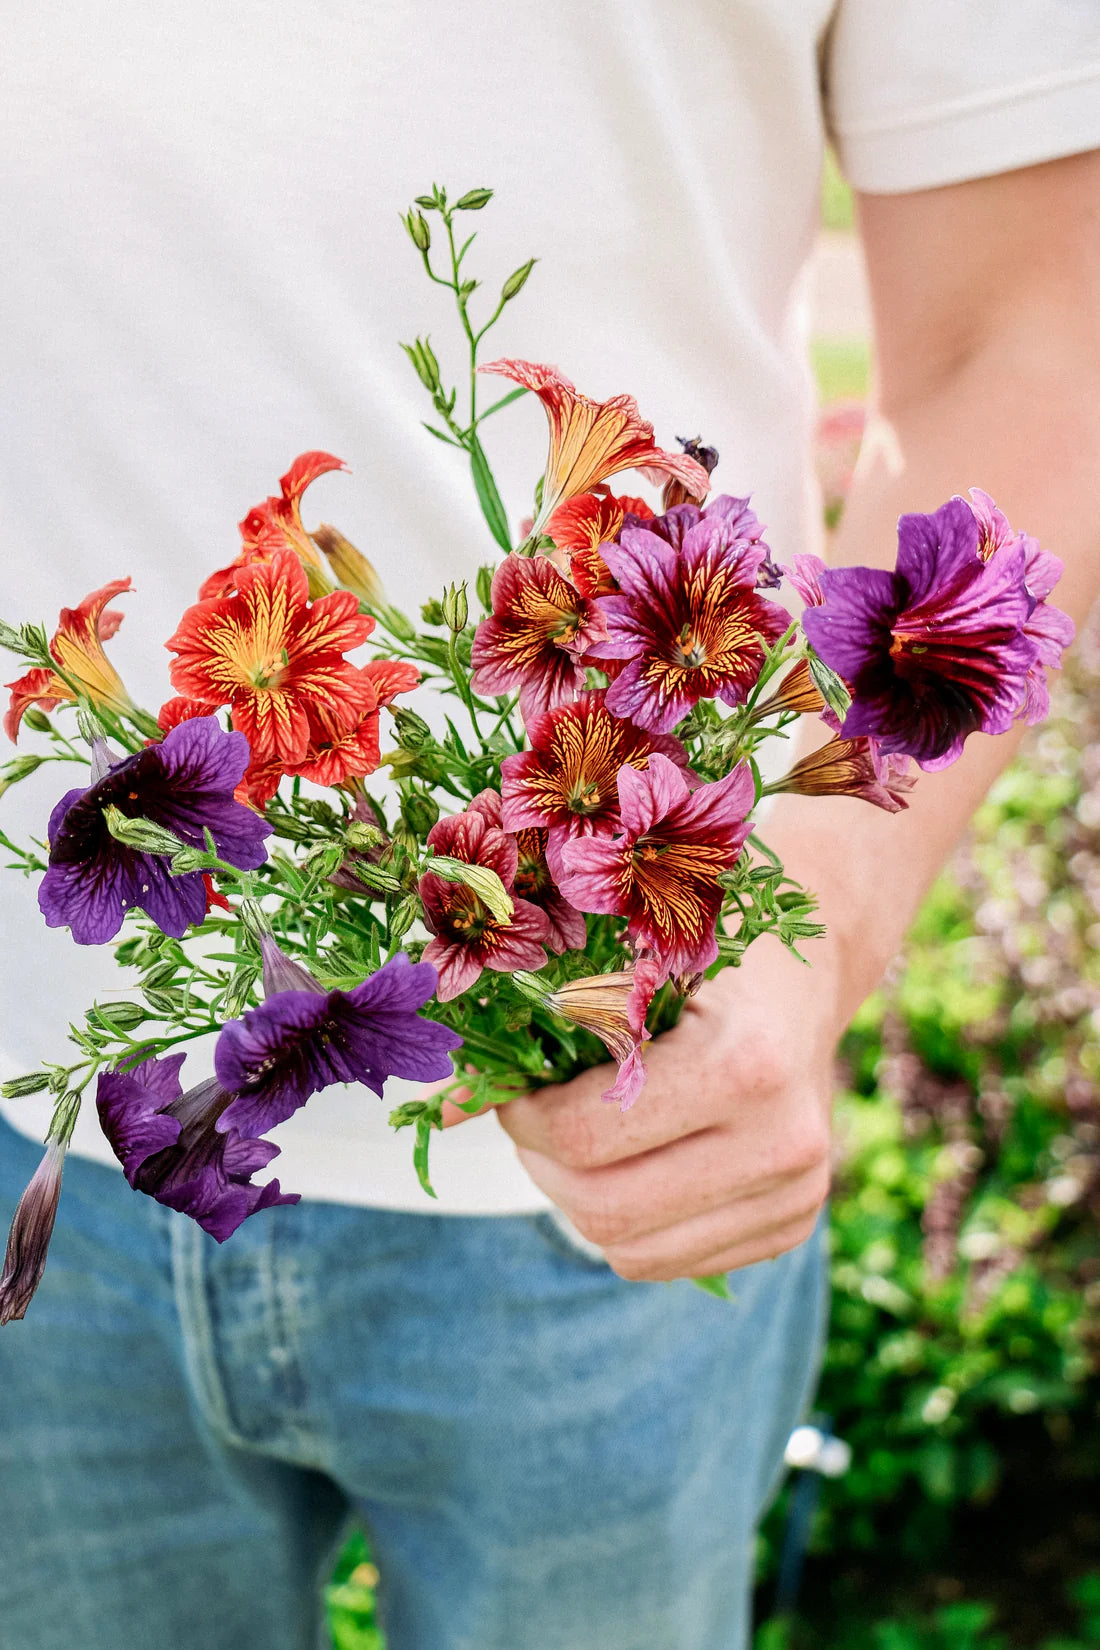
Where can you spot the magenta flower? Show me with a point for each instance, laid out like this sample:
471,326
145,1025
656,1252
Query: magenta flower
688,621
177,1148
936,650
1048,627
661,873
467,937
534,882
186,784
567,783
540,628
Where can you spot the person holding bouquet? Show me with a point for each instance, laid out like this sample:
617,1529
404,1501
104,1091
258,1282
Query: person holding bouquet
552,1441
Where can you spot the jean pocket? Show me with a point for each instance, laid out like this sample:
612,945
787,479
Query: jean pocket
562,1236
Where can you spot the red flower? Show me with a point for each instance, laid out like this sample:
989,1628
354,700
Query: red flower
275,658
335,753
580,525
592,440
275,525
467,937
662,872
568,782
77,646
541,626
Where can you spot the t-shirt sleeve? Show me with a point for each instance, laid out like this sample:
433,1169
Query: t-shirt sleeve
920,93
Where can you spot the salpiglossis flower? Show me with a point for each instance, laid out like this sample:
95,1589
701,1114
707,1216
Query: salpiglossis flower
173,1147
534,881
851,767
593,440
276,525
579,527
937,649
540,629
77,646
29,1236
275,658
568,782
688,622
613,1007
466,936
661,872
185,784
336,754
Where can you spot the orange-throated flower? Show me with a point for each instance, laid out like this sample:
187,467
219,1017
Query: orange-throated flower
534,881
275,525
592,440
77,646
611,1006
568,782
540,628
661,871
275,658
851,767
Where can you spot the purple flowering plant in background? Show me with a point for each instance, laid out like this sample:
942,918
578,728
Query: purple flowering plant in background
185,785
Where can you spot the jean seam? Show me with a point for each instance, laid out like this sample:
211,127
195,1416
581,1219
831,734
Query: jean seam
197,1333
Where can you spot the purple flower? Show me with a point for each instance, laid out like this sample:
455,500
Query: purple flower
186,784
177,1148
29,1238
687,622
936,650
1049,628
303,1038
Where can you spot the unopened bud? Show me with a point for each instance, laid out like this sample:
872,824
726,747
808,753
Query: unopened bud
88,725
424,363
456,608
10,638
124,1015
384,882
37,720
400,626
420,812
403,915
352,569
31,1230
484,587
413,733
18,768
188,860
480,880
473,200
432,613
143,834
830,687
517,280
362,836
417,225
17,1088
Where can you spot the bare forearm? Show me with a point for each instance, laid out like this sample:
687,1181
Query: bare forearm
1021,419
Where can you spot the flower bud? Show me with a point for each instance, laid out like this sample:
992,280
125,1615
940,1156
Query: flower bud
18,768
473,200
481,880
424,363
417,225
124,1015
352,569
517,280
456,608
396,622
188,860
484,587
17,1088
413,733
403,915
432,613
143,834
29,1238
830,687
37,720
420,812
363,836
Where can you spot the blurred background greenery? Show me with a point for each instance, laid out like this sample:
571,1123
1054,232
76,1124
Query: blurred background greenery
963,1364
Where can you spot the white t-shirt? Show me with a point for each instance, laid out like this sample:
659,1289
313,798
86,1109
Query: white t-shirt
203,274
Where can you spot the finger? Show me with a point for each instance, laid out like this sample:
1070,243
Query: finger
648,1200
663,1266
452,1114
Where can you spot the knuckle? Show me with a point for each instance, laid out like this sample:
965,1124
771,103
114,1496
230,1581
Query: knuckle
808,1151
599,1223
572,1140
763,1070
633,1270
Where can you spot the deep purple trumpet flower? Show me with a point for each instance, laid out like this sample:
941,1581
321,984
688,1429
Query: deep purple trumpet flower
176,1147
938,649
303,1038
186,784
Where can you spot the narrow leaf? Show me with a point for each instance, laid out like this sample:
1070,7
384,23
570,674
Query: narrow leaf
492,507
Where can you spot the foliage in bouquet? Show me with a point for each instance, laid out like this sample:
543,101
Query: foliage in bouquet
546,863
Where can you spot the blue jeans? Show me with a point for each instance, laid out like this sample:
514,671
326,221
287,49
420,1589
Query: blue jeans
544,1456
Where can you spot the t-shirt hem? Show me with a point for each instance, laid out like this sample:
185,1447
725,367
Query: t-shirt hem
927,149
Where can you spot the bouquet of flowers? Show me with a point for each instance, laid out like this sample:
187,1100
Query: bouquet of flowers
531,876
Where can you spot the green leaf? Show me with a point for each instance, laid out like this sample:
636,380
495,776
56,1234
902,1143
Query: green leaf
420,1154
492,507
715,1284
